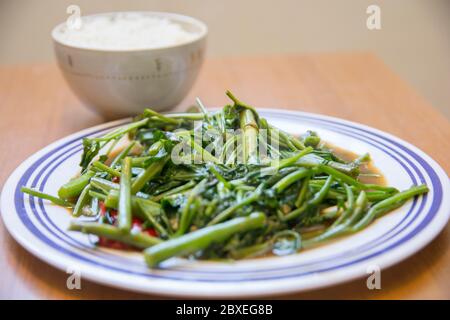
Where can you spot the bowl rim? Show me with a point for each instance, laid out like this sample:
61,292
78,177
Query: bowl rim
174,16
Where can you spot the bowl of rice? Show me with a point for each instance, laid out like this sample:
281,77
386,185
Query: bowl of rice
120,63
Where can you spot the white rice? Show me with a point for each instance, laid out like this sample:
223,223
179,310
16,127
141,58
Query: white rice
122,31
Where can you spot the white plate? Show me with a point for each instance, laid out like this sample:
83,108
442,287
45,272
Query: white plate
41,227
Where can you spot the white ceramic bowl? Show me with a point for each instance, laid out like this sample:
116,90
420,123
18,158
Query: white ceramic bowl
118,83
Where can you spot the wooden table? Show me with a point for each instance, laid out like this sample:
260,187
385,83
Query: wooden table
37,107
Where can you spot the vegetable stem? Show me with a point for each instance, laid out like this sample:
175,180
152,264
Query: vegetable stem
202,238
149,173
135,239
124,219
45,196
74,187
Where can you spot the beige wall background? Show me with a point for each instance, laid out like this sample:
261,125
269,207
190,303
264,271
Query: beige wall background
414,39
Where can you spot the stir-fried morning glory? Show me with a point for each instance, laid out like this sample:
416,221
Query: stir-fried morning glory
222,185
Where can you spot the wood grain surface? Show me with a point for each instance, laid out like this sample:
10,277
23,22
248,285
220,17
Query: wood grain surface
37,107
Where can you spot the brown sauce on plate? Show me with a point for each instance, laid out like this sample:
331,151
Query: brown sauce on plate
369,172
